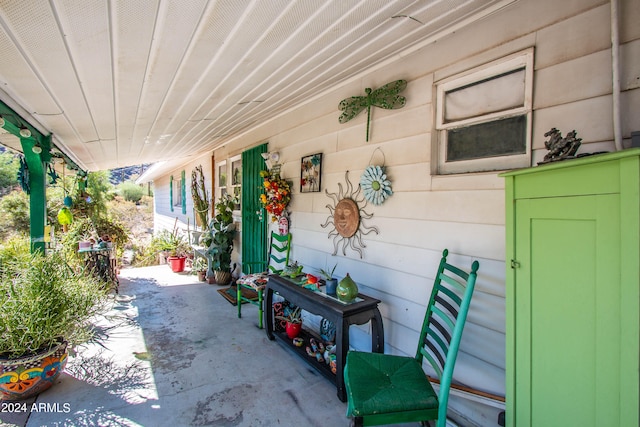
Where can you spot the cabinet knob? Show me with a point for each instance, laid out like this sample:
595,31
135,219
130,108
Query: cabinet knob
515,264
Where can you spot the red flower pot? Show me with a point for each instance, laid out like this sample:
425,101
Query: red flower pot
176,263
293,329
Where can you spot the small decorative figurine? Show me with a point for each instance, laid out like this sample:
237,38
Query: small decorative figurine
560,148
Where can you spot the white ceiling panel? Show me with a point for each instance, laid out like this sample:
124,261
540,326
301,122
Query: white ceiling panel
122,82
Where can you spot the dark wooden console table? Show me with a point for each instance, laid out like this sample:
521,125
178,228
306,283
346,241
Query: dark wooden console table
342,315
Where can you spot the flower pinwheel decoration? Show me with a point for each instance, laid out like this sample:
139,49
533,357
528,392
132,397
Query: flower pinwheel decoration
375,185
277,194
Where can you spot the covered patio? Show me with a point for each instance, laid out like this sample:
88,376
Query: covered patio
171,352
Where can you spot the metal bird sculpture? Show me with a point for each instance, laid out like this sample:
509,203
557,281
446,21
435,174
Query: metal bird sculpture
386,97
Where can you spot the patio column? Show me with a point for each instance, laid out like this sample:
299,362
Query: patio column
37,155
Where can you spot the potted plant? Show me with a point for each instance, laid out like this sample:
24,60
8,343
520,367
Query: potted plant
44,310
200,268
294,322
173,247
330,281
222,232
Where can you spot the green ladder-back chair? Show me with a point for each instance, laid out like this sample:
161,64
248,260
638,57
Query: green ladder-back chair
390,389
277,260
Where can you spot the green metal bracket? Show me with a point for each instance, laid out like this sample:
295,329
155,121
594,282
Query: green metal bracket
37,152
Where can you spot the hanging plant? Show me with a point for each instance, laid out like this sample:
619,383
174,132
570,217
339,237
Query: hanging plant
277,194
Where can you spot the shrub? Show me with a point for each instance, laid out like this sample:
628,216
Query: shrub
14,213
130,191
43,300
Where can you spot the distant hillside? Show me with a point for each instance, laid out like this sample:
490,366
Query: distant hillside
126,174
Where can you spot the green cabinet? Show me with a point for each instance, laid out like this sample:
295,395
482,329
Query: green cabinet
573,278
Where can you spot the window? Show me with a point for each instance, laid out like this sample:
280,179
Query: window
483,117
236,180
233,186
221,189
177,191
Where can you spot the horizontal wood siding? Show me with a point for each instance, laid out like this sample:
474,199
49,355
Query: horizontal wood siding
465,212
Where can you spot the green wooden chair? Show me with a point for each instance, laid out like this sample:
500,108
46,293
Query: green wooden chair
256,279
390,389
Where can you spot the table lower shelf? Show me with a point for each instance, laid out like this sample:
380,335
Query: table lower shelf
322,367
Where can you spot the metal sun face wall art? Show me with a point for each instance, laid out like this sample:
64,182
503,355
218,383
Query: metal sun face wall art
386,97
346,215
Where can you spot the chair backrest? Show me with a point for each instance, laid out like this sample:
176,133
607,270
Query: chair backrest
279,248
444,321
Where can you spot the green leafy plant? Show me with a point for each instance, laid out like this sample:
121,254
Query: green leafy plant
199,264
173,243
130,191
82,229
222,231
328,274
294,316
44,301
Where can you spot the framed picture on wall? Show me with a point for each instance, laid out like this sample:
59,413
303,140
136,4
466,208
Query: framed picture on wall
311,173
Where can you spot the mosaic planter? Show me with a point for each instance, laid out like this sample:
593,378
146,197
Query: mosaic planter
27,376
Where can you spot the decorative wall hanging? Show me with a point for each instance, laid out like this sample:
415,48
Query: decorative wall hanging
23,175
560,148
374,182
311,173
346,216
277,194
386,97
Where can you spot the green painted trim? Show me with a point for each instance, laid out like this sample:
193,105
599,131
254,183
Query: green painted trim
37,194
597,158
183,192
171,193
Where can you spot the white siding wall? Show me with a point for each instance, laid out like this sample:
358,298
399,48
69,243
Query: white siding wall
464,213
164,218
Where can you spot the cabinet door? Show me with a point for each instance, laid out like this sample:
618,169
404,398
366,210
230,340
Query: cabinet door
567,320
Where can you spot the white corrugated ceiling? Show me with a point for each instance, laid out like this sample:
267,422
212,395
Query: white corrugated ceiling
123,82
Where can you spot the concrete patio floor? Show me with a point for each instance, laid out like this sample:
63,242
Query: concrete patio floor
174,353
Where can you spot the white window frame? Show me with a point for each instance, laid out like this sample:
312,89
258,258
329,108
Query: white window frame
520,60
229,187
232,186
177,192
219,188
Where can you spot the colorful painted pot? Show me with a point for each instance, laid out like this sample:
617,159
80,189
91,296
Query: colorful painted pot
27,376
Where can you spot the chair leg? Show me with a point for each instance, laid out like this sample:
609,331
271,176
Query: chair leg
239,299
260,310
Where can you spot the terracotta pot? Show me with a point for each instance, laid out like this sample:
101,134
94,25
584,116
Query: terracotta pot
293,329
202,276
29,375
176,263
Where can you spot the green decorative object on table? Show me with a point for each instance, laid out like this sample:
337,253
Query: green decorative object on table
347,289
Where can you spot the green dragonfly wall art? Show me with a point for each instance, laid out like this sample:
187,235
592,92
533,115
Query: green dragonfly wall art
386,97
